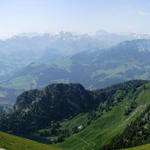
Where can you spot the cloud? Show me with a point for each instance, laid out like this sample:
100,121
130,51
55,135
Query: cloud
143,13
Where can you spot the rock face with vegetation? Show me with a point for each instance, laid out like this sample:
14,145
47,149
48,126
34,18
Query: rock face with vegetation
35,109
57,97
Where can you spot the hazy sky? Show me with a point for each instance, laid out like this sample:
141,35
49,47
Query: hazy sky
18,16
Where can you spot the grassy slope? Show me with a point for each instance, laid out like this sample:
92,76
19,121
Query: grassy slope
143,147
110,124
10,142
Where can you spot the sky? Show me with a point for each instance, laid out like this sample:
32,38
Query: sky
80,16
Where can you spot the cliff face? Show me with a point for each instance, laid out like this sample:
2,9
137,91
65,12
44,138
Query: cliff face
25,99
56,96
52,103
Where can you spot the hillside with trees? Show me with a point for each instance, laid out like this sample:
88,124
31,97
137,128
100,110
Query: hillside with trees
67,114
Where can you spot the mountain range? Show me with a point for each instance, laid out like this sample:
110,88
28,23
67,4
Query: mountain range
94,69
21,50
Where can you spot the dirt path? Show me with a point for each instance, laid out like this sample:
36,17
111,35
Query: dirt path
134,112
87,144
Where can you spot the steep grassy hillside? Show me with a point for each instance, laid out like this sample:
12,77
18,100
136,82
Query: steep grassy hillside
111,123
10,142
136,133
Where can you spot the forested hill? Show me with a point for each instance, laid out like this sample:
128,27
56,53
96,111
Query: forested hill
136,133
66,113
